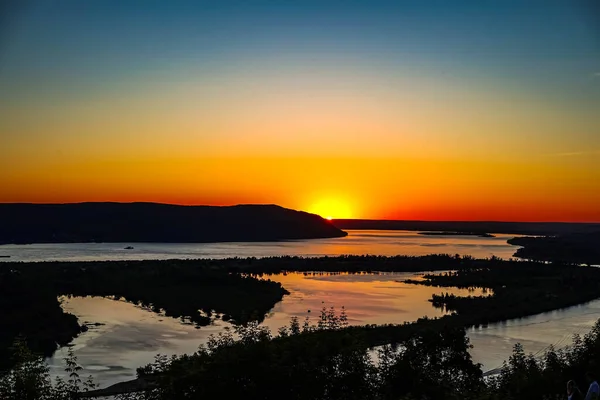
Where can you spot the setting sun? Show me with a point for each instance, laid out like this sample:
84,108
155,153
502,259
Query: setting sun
331,208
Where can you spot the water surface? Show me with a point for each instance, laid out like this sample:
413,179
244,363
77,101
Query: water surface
358,242
494,343
131,336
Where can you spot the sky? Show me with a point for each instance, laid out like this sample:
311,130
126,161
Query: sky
432,110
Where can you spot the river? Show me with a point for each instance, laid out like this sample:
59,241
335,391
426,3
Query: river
358,242
128,336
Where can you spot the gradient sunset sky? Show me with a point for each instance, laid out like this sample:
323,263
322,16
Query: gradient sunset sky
453,110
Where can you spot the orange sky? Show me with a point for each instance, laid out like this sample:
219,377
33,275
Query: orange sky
549,188
340,156
381,120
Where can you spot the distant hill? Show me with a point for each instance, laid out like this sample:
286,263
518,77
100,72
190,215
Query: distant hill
152,222
525,228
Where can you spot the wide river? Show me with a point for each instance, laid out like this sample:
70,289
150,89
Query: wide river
385,243
129,336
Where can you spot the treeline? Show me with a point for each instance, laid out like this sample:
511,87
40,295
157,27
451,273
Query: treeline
323,361
347,263
330,361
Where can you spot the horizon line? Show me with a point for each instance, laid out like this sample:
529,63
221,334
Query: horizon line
324,217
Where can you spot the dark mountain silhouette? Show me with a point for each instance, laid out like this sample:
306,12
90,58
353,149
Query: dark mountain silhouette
152,222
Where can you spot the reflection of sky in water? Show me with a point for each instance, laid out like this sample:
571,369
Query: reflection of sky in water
367,298
357,242
493,344
132,336
129,338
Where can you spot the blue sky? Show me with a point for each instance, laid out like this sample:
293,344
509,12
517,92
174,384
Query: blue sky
545,44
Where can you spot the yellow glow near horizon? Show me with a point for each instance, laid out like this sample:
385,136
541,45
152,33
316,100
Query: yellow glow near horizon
540,189
331,208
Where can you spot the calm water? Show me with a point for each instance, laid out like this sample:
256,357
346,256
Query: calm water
357,242
130,336
494,344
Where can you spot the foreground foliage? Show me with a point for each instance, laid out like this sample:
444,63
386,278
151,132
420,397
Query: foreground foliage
30,378
326,361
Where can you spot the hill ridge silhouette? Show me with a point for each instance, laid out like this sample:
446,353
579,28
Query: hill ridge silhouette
157,222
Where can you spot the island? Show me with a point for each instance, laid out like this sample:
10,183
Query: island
454,233
158,223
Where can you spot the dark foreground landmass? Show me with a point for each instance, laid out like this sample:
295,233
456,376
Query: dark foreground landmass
329,360
576,248
478,227
152,222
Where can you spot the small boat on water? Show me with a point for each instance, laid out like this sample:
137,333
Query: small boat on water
2,256
129,248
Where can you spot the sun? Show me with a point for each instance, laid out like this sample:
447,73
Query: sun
331,208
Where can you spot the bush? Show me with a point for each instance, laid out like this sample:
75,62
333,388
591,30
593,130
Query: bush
30,378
